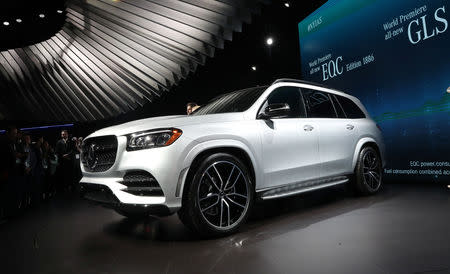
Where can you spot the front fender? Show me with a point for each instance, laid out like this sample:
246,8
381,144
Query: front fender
219,143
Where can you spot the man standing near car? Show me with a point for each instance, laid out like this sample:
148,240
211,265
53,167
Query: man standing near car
191,107
65,151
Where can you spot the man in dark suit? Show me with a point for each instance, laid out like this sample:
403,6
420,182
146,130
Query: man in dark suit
8,152
65,152
10,188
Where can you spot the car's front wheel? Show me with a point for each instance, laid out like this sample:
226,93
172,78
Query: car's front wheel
219,197
368,171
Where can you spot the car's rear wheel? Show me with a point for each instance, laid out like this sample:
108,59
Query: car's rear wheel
368,171
220,196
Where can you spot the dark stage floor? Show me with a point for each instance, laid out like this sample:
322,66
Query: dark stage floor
404,229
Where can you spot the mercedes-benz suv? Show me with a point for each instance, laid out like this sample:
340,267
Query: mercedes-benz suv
264,143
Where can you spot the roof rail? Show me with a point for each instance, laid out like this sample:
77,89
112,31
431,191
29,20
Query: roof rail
284,80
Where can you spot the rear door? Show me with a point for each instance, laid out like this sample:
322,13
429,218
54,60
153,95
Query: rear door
354,116
336,133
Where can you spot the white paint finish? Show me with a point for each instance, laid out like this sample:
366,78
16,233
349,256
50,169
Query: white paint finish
280,150
336,145
289,153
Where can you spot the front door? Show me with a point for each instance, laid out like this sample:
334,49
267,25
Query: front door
289,143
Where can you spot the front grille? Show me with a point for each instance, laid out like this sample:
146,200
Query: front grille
141,183
98,154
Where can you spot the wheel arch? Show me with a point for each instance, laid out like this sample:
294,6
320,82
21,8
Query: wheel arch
204,150
362,143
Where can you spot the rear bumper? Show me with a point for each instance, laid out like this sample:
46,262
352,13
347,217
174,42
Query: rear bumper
103,195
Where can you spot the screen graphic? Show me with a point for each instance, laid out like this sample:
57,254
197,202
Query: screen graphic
395,57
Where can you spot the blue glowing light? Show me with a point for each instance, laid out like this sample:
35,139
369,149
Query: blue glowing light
46,127
41,127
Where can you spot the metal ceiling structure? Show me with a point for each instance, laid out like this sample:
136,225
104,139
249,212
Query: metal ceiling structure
112,56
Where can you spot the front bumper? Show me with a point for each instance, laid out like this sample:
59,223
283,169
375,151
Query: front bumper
102,195
164,164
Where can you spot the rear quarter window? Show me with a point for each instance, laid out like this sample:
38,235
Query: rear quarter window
351,110
337,106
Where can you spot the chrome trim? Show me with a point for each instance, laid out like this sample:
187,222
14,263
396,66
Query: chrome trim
181,181
302,187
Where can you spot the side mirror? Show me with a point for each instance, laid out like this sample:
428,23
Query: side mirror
275,110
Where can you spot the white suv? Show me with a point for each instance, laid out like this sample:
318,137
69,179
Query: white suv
263,143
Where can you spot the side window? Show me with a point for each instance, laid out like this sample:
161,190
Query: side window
318,104
290,96
340,112
350,108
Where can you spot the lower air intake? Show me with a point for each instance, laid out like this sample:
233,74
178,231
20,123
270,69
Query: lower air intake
141,183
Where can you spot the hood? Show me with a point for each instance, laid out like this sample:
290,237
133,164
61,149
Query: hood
177,121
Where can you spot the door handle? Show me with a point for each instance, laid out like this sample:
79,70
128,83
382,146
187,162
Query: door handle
350,127
308,128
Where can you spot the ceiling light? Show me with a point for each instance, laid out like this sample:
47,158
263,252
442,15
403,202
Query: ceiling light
287,5
269,41
6,23
59,11
253,68
41,15
18,20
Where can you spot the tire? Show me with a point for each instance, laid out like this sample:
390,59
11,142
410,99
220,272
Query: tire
219,198
368,172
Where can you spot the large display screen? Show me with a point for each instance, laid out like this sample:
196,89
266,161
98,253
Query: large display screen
395,57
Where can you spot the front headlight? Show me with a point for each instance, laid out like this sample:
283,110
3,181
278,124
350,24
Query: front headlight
153,138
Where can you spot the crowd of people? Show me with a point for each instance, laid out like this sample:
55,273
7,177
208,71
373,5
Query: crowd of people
33,171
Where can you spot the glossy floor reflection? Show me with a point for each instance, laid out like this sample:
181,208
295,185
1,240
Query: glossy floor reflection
404,229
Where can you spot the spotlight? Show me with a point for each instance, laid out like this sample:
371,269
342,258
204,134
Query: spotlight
287,5
448,90
18,20
41,15
269,41
253,68
59,11
6,23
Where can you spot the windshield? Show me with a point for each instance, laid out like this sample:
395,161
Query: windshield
236,101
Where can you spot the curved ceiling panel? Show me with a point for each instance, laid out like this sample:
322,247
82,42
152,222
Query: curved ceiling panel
112,56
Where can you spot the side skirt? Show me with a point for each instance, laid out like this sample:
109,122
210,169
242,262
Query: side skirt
301,187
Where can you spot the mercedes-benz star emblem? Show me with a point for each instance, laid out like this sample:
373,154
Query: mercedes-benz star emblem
92,158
